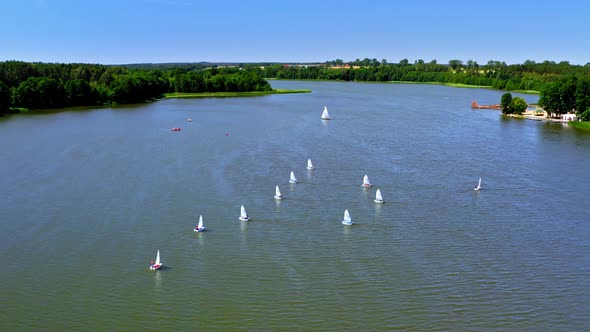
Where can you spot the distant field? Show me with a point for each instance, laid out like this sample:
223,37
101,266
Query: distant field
230,94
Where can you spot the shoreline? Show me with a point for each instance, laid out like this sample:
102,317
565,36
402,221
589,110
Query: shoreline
229,94
171,95
453,85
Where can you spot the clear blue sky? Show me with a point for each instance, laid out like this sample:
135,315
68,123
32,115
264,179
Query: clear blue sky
133,31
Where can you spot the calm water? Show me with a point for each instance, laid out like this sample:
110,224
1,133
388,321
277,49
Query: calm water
89,196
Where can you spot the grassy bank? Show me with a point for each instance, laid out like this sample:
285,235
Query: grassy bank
230,94
580,124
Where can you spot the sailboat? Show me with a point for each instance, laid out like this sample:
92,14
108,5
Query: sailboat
478,187
278,194
378,197
156,265
293,179
200,227
366,182
309,164
243,214
347,221
325,114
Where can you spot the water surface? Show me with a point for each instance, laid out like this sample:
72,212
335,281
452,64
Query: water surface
89,196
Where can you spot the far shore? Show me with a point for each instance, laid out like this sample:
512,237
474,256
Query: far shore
454,85
230,94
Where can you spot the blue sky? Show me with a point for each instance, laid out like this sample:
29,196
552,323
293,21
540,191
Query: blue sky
134,31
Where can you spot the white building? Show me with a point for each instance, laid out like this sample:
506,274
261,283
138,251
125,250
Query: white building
569,117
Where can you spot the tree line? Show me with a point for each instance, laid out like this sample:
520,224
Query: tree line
563,87
527,76
51,85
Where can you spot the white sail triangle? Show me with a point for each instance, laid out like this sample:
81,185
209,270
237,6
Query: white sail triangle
157,258
378,197
200,225
278,194
346,220
366,182
309,164
243,214
293,179
325,114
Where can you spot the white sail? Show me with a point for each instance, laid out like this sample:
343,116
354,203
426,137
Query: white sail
378,197
278,194
478,187
243,214
157,259
325,114
309,164
293,179
200,225
346,220
366,182
347,215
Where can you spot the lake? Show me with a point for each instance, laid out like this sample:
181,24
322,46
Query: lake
89,196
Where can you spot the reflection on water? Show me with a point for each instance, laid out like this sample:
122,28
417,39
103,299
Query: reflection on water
157,281
201,237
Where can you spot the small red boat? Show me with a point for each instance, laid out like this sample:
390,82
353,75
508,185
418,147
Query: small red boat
175,129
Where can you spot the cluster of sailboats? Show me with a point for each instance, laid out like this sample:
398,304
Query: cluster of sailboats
347,220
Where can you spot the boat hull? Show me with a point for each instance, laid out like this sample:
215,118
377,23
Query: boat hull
378,201
244,219
347,223
290,181
155,267
366,185
278,197
199,230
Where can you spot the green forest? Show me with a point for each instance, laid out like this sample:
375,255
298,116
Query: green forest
563,87
48,85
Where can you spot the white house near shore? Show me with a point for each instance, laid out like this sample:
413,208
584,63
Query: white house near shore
569,117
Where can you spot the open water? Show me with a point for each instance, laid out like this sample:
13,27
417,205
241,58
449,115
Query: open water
87,197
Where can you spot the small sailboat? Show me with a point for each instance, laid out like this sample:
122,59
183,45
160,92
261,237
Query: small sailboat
200,228
278,194
347,221
243,214
366,182
189,120
325,114
293,179
157,264
478,187
309,164
378,197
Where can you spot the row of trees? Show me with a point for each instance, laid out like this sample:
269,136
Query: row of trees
46,85
496,74
569,94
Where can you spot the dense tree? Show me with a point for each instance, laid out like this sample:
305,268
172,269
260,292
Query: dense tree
505,103
5,98
455,64
518,105
43,85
